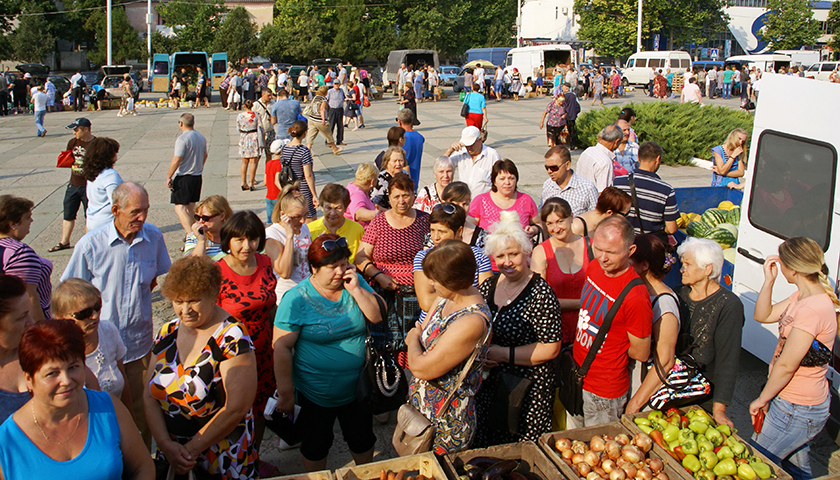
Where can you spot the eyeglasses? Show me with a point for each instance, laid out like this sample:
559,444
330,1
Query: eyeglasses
625,213
552,168
88,312
447,208
204,218
329,245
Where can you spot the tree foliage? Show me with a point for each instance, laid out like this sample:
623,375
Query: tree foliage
790,25
33,39
125,41
833,26
611,25
235,35
195,23
690,21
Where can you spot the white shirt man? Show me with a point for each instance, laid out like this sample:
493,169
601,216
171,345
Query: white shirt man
473,161
691,92
596,163
479,79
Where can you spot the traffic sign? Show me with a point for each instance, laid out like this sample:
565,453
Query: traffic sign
713,53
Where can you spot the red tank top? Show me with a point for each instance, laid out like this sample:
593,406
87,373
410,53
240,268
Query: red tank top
566,286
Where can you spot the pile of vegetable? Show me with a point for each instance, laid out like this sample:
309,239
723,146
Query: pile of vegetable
493,468
719,224
605,457
401,475
706,450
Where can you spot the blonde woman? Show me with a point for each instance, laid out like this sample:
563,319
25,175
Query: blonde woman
361,208
796,397
729,160
288,257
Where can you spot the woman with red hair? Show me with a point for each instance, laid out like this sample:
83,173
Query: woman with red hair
66,429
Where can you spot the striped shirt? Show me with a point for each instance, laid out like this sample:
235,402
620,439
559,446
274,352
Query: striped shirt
19,260
481,260
657,201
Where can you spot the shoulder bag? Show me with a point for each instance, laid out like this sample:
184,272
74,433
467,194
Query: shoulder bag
381,381
570,375
465,107
414,433
662,234
65,159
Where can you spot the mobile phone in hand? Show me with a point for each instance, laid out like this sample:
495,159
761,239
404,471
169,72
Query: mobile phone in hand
758,421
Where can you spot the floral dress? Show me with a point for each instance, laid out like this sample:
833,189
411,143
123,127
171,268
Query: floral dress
249,142
251,300
455,429
190,395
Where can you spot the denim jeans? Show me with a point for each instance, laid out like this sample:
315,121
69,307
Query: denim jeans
39,121
727,90
787,430
269,207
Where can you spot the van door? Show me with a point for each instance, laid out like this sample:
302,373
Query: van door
536,61
790,191
218,68
160,72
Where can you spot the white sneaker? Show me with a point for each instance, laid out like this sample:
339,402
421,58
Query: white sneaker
283,446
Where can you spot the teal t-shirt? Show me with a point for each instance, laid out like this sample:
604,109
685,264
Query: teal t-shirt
330,349
476,102
727,76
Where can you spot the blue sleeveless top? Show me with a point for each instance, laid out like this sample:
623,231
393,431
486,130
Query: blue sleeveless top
720,180
100,458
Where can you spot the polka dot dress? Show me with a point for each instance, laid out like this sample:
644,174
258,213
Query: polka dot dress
534,316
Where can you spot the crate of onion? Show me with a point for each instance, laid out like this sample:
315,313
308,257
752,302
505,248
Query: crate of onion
609,452
423,466
516,461
322,475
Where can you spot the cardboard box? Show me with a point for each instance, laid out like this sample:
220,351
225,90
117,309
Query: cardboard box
673,469
425,464
322,475
531,457
627,421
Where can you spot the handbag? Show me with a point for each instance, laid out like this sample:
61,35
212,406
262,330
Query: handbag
570,375
366,102
381,381
414,433
465,108
65,159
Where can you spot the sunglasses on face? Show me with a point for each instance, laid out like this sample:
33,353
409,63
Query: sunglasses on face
204,218
552,168
330,245
88,312
447,208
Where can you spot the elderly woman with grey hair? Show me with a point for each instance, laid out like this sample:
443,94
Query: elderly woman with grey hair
715,318
429,195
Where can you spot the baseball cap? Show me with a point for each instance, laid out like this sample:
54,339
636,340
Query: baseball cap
277,145
27,75
469,135
79,122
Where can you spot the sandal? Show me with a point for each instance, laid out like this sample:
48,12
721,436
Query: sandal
59,247
244,187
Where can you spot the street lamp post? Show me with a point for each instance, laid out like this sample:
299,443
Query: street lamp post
149,40
639,28
108,13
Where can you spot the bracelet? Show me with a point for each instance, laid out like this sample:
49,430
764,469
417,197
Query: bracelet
364,267
375,274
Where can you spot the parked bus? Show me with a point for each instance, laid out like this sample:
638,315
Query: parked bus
163,65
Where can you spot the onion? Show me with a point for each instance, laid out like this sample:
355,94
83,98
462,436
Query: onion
662,476
641,464
613,449
656,465
597,443
593,476
618,474
631,453
584,469
579,447
562,444
567,462
567,454
592,458
608,465
620,462
630,470
643,441
600,471
622,438
644,474
577,458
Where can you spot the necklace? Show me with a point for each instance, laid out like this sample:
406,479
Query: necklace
516,290
78,422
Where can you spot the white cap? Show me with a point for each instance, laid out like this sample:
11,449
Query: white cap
469,135
277,145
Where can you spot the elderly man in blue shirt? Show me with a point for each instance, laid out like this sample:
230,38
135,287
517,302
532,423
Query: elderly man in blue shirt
123,260
627,152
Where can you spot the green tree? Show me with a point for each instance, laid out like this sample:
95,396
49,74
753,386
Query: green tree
163,44
236,35
688,21
125,41
791,25
32,41
195,22
611,25
833,26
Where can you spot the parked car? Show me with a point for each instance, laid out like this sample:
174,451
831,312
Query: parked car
91,78
38,71
62,84
821,70
448,74
113,79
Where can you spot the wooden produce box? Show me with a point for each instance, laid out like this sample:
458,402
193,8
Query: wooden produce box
778,472
673,469
532,459
322,475
425,464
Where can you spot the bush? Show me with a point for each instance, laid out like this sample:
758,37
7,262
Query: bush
683,130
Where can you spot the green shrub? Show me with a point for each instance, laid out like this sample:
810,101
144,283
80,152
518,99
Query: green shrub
683,130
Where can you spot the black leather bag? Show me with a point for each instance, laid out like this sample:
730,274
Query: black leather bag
570,376
507,399
382,383
465,108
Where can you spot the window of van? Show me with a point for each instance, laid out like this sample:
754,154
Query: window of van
814,68
685,63
641,62
161,68
675,63
828,67
793,187
631,63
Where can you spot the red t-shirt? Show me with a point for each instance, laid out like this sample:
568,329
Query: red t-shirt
272,168
608,376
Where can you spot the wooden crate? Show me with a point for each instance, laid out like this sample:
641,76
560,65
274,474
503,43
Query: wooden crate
532,459
778,472
673,469
322,475
425,464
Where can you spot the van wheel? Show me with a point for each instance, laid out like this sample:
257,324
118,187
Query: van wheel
455,88
625,83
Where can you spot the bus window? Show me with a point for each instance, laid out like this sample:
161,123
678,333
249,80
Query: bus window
161,68
793,187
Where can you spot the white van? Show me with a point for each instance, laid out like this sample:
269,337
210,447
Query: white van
821,70
637,71
528,60
766,62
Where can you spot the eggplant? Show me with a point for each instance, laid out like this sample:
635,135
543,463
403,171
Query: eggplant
474,474
481,463
531,476
500,469
515,476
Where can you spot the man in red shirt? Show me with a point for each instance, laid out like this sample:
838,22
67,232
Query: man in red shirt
606,388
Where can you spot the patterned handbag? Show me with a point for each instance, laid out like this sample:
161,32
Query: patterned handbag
682,385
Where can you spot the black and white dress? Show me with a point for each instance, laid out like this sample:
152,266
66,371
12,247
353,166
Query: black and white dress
533,316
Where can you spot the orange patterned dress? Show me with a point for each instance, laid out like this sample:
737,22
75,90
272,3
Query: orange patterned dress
190,395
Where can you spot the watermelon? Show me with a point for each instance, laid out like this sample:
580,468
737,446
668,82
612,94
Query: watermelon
714,216
733,216
698,228
729,227
723,237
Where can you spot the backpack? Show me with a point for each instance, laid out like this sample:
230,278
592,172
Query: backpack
287,175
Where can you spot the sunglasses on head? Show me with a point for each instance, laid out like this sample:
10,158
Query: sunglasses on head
204,218
329,245
447,208
88,312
